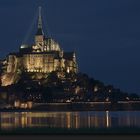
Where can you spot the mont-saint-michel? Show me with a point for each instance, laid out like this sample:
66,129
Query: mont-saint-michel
40,59
44,76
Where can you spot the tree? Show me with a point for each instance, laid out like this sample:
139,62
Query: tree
47,94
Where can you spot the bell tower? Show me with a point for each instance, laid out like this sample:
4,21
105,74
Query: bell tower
39,36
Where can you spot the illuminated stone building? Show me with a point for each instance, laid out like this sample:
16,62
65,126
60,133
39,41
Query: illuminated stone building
44,56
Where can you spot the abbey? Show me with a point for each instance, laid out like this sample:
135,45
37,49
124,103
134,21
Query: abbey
44,56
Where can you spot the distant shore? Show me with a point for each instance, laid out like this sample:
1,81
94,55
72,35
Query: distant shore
81,106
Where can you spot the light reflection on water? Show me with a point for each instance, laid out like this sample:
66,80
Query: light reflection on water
11,120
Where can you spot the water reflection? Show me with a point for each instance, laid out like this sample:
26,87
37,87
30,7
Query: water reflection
107,119
11,120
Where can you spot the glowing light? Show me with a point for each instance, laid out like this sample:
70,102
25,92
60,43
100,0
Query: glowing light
95,89
68,70
110,91
77,90
24,46
17,104
107,99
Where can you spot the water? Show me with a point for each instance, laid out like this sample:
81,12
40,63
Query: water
103,119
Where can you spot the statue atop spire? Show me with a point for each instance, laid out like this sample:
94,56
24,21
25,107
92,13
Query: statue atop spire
40,29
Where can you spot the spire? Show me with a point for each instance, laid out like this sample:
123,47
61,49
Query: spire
39,18
39,30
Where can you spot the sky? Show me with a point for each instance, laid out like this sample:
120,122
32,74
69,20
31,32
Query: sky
104,33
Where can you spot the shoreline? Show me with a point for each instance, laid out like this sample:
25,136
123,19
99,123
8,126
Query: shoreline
57,131
73,107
